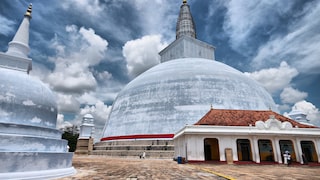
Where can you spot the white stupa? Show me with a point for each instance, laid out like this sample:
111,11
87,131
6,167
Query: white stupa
31,146
181,89
85,140
86,127
299,116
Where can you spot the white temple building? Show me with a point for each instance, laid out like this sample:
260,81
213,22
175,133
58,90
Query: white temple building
31,146
247,135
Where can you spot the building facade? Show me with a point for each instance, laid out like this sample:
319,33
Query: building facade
244,135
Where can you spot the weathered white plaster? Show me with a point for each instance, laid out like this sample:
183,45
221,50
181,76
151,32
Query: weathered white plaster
179,92
227,136
31,146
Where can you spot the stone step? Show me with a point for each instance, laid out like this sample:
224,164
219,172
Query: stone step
134,147
134,142
149,154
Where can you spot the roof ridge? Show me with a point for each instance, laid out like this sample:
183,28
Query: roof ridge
235,117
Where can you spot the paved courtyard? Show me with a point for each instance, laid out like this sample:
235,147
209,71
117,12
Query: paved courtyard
102,167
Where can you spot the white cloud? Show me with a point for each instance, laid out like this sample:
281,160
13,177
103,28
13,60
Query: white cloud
311,110
299,46
72,72
72,78
91,7
7,26
152,12
290,95
283,107
274,79
67,103
103,76
88,98
142,54
61,124
243,18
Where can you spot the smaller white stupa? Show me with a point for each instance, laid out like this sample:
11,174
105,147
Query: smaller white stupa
86,127
85,140
299,116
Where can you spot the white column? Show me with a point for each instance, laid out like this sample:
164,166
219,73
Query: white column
317,147
277,150
255,150
221,149
299,150
234,148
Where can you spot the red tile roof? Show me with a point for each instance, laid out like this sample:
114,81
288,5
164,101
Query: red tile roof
227,117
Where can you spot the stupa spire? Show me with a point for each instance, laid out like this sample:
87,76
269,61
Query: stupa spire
186,44
19,45
185,24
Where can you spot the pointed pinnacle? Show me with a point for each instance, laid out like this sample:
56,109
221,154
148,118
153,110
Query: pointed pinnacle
29,11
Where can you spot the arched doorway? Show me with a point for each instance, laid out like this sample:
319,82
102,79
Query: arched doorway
266,150
244,150
211,149
287,145
309,151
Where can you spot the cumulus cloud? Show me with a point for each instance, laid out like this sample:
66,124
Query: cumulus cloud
313,113
67,103
88,98
275,79
283,107
142,54
103,76
72,78
290,95
299,46
61,123
7,26
72,74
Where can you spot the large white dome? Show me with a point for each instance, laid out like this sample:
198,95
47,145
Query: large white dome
170,95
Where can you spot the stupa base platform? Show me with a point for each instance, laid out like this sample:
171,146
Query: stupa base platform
35,175
35,165
134,148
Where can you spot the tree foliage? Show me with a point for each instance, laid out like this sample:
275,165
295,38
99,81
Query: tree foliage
72,140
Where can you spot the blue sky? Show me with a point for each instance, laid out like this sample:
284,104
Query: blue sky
88,50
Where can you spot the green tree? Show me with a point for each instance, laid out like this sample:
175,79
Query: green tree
72,140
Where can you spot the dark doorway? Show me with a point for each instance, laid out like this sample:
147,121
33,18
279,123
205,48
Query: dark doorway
287,145
244,150
207,152
211,149
266,150
309,151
